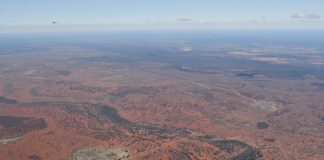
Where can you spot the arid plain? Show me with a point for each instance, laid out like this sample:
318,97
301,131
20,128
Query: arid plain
160,97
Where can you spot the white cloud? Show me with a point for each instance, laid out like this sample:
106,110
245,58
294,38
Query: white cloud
186,49
302,15
184,20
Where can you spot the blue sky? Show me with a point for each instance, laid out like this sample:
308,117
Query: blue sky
128,14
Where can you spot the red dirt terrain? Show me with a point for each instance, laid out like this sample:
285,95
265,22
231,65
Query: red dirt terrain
83,103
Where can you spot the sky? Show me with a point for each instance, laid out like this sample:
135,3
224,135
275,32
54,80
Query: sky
39,15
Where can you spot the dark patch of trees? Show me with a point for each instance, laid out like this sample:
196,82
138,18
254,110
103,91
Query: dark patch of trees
262,125
8,101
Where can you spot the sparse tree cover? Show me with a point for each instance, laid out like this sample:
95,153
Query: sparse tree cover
154,97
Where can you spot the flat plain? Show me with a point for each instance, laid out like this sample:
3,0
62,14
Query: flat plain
161,96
